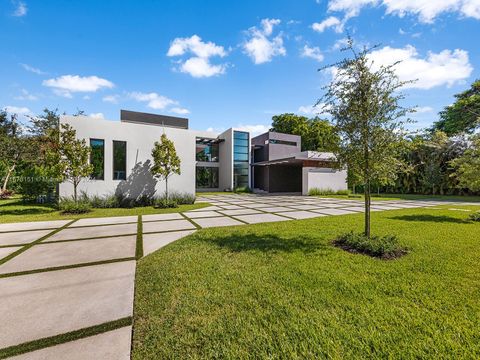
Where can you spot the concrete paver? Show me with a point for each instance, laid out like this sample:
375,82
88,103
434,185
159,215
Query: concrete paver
4,252
275,209
159,226
240,212
260,218
333,211
153,242
105,221
34,225
302,214
50,303
159,217
94,231
71,253
217,222
114,344
201,214
23,237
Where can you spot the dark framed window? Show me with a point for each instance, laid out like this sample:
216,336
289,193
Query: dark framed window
206,151
240,159
97,158
282,142
119,160
206,177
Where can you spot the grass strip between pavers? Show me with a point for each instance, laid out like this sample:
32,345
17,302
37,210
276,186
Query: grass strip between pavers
63,338
29,245
139,245
65,267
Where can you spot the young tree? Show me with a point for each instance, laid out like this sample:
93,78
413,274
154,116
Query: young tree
467,166
363,101
165,160
15,147
70,159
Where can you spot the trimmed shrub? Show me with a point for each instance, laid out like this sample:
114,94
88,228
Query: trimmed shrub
327,191
384,247
343,192
242,189
69,206
475,216
163,203
356,196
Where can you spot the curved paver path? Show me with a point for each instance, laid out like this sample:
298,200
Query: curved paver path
77,277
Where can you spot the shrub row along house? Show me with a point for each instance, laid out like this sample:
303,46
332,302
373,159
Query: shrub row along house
271,162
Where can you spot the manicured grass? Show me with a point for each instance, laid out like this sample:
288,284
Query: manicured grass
14,210
283,291
409,197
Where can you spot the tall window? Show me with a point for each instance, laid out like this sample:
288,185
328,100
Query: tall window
206,151
207,177
97,158
119,160
240,159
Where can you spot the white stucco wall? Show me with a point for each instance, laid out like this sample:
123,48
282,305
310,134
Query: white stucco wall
140,139
323,178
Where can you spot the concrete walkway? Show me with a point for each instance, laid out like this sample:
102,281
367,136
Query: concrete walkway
72,277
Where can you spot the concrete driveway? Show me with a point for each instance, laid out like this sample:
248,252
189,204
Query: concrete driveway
63,280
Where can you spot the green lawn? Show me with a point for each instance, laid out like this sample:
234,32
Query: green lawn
409,197
282,291
14,210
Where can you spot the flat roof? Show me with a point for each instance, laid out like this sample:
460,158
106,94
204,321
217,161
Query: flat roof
153,119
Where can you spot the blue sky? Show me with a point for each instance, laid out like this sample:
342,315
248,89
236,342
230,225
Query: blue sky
224,63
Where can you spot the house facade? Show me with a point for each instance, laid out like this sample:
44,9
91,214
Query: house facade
210,161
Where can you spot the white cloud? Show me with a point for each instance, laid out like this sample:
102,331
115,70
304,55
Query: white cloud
425,10
25,95
340,43
179,110
66,84
309,110
330,22
254,129
444,68
198,65
312,52
17,110
21,9
424,109
97,115
153,100
33,69
260,47
111,99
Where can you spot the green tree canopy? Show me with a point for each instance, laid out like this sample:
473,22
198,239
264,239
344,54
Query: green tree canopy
317,134
69,160
165,160
463,116
364,104
467,166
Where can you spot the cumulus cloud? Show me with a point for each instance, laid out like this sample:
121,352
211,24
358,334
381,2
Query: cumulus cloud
21,9
260,46
97,115
67,84
199,64
424,109
158,102
436,69
179,111
33,69
425,10
253,129
312,52
309,110
21,110
330,22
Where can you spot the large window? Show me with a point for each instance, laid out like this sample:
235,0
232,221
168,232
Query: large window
119,160
240,159
97,158
207,177
206,151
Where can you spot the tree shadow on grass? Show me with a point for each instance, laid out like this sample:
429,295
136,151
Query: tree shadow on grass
265,243
430,218
27,211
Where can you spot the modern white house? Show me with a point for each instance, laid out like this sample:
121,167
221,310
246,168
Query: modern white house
210,161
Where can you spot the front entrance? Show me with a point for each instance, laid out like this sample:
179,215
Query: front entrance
278,178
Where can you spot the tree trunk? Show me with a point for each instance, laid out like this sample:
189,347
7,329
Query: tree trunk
166,188
75,184
367,209
5,181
